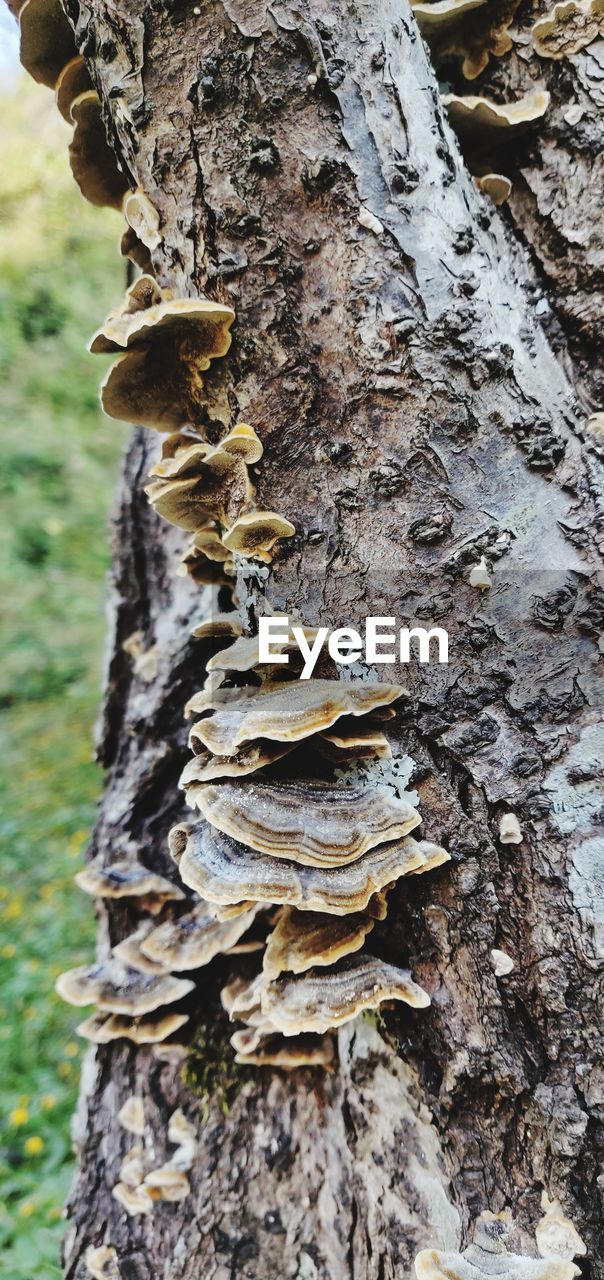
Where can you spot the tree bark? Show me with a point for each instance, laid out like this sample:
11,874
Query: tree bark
414,418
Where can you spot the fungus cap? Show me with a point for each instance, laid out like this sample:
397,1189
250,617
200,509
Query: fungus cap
131,1115
135,1200
255,533
319,1001
126,879
47,41
102,1263
142,216
302,940
311,822
289,1054
150,1029
118,990
568,27
475,115
497,187
192,940
74,79
510,831
93,162
149,315
227,873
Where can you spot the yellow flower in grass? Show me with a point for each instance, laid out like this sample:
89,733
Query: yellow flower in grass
75,843
64,1070
19,1116
48,1101
13,909
72,1049
8,950
54,1213
34,1145
26,1209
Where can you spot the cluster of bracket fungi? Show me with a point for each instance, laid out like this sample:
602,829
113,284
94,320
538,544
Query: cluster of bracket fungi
297,838
292,850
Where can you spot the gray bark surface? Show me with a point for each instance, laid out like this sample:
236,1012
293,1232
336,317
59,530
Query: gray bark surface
414,418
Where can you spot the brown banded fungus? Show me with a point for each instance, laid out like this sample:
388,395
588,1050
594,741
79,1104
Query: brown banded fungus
568,27
47,41
320,1001
286,712
194,939
195,482
134,1200
131,1115
93,162
102,1264
225,872
167,344
126,879
315,823
151,1028
302,940
288,1054
129,951
254,533
485,121
497,187
118,990
488,1256
206,767
454,27
73,80
143,218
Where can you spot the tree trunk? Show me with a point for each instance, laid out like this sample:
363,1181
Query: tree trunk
414,419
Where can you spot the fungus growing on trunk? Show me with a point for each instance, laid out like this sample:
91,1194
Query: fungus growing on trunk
131,1115
167,344
454,27
302,940
152,1028
101,1263
227,873
287,1054
47,41
510,831
497,187
285,711
488,1256
118,990
142,216
73,80
192,940
568,27
486,121
320,824
128,879
329,998
556,1235
255,533
92,160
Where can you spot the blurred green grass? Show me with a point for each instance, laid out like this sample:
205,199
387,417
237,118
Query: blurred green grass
59,275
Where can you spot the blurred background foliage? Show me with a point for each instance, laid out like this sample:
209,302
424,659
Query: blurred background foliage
59,275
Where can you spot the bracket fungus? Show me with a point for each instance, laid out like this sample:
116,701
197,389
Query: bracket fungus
167,343
73,80
568,28
126,879
497,187
134,1200
129,951
254,533
556,1235
195,482
142,216
228,873
329,998
151,1028
102,1263
320,824
192,940
287,711
288,1054
454,27
302,940
487,121
118,990
488,1256
510,831
131,1115
47,41
93,162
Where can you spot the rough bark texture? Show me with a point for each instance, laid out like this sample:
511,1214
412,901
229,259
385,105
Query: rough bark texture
413,418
